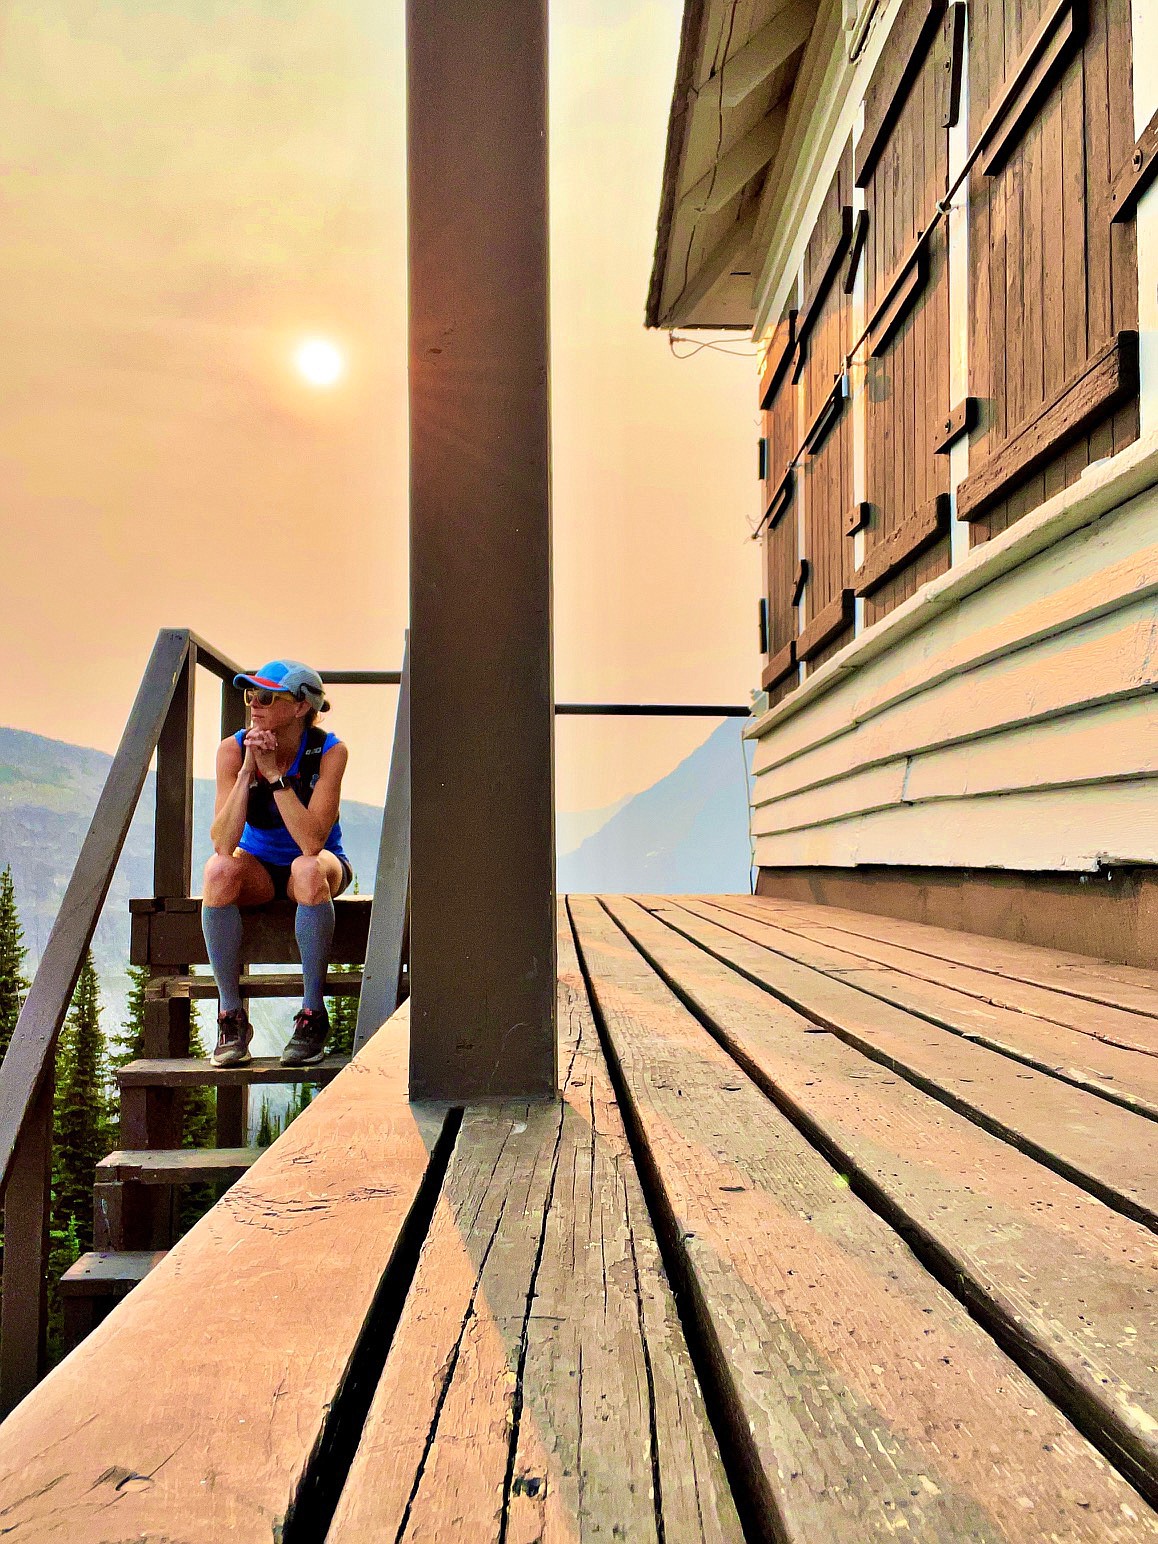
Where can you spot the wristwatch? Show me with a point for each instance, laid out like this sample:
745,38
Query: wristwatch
279,783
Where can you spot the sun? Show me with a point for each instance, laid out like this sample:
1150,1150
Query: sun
320,362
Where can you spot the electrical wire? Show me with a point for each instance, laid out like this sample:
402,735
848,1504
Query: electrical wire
736,347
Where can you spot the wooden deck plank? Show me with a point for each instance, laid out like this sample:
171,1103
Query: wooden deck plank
1126,1076
867,1399
1076,975
1109,1151
193,1410
1069,1284
1116,1026
539,1381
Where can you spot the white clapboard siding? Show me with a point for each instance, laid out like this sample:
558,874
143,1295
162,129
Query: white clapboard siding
1067,828
1112,657
1109,565
1098,745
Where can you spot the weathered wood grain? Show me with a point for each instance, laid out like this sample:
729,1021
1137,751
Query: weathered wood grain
1136,175
1108,380
191,1072
181,1166
904,543
960,421
828,624
1107,1150
1121,1012
1043,59
902,58
210,1405
1124,1072
865,1398
259,984
539,1385
1069,1285
779,357
900,296
1073,975
169,933
781,665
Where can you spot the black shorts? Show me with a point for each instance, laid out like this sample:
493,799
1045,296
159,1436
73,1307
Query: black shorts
280,873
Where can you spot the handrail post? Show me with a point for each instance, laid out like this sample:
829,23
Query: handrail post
173,822
151,1117
389,915
24,1291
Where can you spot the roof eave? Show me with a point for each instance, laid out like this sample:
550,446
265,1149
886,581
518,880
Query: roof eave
690,38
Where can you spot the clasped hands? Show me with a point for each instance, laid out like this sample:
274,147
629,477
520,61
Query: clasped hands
260,754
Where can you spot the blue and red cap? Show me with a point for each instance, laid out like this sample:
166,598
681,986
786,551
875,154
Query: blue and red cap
289,675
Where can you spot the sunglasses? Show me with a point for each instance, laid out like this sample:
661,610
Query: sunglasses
262,697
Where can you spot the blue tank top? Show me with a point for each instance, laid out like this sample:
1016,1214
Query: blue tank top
266,835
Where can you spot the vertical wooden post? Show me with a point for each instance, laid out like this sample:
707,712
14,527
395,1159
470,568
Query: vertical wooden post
482,943
173,824
152,1116
24,1291
382,972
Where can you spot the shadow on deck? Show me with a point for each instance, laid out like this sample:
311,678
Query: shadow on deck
842,1227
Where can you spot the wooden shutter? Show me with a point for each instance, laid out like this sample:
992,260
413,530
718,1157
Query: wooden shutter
777,401
1053,285
902,162
826,316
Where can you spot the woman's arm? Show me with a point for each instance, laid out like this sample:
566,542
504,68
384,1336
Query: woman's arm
310,824
235,773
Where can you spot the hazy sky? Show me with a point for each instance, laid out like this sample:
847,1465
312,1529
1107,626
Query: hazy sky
189,189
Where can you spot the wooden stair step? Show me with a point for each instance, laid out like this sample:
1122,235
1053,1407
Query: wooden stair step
167,931
345,983
93,1287
193,1072
109,1272
178,1166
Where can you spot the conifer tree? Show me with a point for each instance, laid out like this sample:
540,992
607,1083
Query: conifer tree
301,1095
81,1107
343,1013
13,984
199,1121
268,1127
198,1106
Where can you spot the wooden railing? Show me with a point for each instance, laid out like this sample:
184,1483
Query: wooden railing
161,721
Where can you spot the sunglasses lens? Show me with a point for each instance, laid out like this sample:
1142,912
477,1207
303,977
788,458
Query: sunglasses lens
257,697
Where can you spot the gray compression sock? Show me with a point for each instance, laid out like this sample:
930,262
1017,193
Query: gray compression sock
314,930
222,928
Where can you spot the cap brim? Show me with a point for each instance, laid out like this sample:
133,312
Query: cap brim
260,681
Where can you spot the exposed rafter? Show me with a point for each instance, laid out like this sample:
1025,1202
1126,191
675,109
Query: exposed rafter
715,265
764,53
738,166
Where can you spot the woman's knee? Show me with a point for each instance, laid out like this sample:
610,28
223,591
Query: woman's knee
311,886
221,884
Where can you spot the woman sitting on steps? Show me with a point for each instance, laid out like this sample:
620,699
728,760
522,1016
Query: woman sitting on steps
276,835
